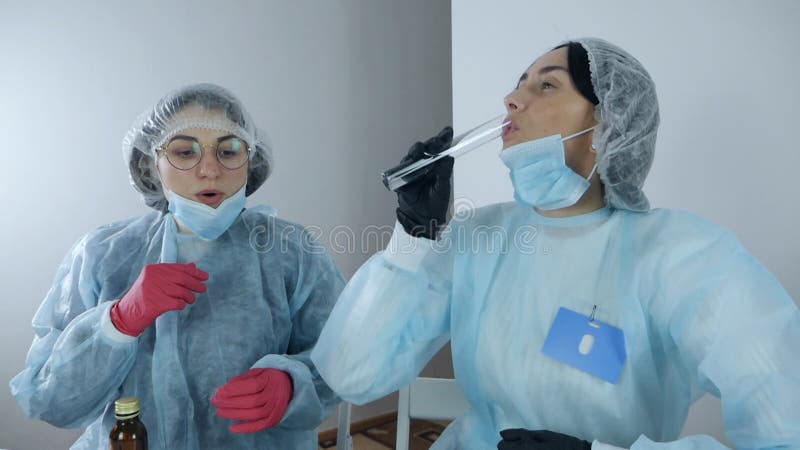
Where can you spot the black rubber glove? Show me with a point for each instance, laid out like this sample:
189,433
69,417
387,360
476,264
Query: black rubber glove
520,439
423,203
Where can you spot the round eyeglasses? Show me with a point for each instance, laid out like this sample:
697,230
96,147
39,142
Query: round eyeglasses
184,153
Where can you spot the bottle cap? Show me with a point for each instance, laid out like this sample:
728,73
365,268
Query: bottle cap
126,407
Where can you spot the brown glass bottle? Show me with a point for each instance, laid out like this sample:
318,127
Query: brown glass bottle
129,432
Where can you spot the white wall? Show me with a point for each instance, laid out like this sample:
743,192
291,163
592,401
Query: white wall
726,73
343,87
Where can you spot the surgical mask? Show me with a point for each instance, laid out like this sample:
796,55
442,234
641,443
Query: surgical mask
540,174
206,222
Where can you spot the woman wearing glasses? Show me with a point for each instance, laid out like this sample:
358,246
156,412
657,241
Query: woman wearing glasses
204,310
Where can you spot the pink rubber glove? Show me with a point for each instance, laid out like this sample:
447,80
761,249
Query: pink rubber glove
159,288
259,397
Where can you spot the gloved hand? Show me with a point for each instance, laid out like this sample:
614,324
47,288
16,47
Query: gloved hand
159,288
259,397
520,439
423,203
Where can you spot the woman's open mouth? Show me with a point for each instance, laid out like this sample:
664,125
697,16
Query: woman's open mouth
210,197
508,129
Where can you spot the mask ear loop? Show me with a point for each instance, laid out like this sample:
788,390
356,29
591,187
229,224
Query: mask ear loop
160,178
594,149
578,133
591,174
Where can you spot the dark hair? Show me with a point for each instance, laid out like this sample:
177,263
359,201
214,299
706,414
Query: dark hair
578,65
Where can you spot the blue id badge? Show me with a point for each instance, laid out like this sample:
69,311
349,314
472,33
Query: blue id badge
586,344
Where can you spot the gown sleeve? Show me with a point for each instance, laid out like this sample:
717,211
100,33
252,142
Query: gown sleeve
390,320
77,360
318,285
736,332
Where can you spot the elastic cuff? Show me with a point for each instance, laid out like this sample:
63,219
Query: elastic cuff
406,251
309,404
111,331
597,445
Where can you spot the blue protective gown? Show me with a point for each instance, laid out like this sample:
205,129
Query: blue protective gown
699,315
270,290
